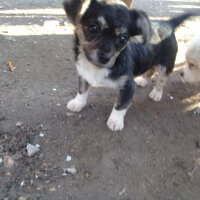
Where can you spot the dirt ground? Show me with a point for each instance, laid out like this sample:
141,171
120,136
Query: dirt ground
155,157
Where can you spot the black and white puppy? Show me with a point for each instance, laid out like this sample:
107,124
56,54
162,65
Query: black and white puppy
105,56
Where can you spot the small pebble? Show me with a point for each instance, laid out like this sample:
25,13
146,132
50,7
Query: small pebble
64,172
58,104
37,145
69,158
69,114
61,21
21,198
71,170
19,124
53,189
8,162
54,89
49,17
22,183
41,134
171,97
122,192
10,39
32,150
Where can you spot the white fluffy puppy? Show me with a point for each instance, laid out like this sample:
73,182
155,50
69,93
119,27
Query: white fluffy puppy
191,71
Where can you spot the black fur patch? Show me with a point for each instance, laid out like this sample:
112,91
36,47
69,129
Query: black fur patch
72,8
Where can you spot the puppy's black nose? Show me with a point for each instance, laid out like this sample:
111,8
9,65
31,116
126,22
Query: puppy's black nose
103,58
182,74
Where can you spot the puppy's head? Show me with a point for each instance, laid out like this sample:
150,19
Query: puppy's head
191,71
103,29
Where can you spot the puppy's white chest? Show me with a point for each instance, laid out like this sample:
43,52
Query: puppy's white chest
92,74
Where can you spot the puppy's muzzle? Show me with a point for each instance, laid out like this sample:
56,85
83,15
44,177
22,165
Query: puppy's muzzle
103,58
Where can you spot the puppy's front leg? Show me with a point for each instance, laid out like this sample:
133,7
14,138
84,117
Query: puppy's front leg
78,103
116,119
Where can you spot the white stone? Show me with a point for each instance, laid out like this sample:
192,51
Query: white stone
71,170
22,183
31,150
37,145
19,124
41,134
69,158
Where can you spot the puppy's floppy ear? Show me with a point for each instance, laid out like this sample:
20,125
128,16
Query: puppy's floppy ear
140,25
75,8
72,9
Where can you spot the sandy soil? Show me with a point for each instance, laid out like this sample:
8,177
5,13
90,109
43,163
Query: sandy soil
156,156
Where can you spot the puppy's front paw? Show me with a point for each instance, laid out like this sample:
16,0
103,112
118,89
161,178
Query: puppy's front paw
141,81
116,120
115,125
75,105
156,95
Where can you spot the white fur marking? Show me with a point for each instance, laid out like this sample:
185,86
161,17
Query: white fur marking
116,120
141,81
103,22
78,103
120,30
95,75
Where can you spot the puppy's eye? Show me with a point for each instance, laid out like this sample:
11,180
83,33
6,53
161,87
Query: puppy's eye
93,28
123,39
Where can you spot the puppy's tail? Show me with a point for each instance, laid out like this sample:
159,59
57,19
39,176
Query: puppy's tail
176,21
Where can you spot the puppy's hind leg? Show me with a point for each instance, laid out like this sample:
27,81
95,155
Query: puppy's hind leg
157,92
143,80
79,102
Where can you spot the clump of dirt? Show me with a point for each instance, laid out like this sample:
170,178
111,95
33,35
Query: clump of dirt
20,173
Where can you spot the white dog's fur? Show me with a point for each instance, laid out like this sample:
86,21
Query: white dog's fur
191,71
